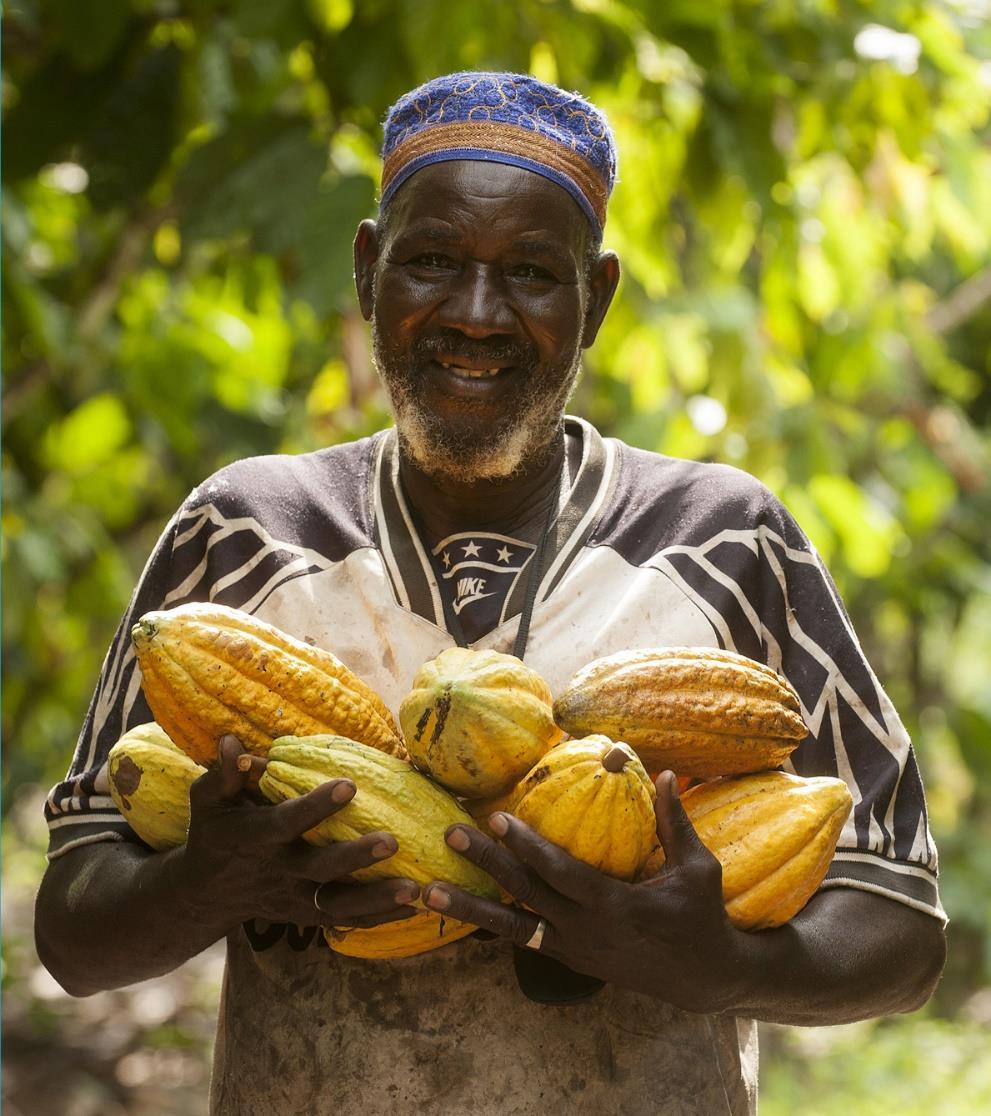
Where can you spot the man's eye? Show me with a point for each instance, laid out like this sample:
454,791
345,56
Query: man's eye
433,260
532,272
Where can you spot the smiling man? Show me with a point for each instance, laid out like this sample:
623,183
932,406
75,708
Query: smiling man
487,517
481,305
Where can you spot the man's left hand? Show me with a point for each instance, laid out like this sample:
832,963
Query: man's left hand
668,936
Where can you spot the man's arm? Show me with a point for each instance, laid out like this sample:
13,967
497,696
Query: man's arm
112,914
847,955
108,915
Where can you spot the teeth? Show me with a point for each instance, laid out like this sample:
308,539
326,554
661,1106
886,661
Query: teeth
471,373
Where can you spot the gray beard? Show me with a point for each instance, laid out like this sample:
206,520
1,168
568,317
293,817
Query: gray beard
522,437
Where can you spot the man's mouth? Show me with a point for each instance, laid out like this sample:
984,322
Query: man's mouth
471,373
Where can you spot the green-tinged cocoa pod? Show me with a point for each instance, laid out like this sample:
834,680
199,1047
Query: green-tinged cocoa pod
391,796
476,721
594,799
773,833
149,781
699,711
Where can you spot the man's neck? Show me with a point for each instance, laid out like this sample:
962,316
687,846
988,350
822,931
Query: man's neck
500,505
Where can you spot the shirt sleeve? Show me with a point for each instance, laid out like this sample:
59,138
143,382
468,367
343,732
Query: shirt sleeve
79,810
855,732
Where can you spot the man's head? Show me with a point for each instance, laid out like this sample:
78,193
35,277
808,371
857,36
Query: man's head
483,278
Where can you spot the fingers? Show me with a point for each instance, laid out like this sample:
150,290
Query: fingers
331,862
509,922
366,922
521,882
227,777
354,905
253,766
552,865
675,831
236,771
292,818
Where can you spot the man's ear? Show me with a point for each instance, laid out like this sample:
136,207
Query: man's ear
602,285
366,254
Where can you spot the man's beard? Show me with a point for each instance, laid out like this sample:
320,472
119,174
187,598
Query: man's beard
466,452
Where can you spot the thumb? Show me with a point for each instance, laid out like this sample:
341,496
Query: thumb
674,827
230,774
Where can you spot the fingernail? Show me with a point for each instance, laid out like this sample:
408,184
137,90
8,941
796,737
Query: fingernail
343,791
458,840
383,849
438,899
407,894
244,762
499,824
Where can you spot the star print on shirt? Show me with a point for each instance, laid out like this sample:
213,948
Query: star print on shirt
478,571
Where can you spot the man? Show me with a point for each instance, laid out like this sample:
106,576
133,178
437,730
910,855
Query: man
490,519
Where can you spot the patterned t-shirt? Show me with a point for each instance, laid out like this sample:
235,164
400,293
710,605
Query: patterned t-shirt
645,551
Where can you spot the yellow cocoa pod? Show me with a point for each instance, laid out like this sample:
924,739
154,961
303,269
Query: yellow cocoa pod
594,799
149,781
773,833
207,670
481,808
424,931
476,721
699,711
391,796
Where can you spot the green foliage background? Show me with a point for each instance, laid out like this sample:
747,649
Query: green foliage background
806,240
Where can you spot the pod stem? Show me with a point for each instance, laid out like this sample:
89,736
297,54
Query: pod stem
615,759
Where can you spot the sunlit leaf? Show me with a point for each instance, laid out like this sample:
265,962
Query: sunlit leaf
868,533
91,434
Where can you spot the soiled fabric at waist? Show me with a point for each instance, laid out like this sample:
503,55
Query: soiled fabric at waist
305,1030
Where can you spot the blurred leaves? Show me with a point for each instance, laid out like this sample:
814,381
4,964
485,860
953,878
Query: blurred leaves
912,1066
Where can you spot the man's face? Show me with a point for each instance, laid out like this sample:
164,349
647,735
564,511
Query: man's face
479,303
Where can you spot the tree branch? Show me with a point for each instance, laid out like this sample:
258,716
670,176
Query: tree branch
130,247
961,303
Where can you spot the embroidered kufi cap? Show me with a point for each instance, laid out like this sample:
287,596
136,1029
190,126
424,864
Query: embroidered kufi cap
502,118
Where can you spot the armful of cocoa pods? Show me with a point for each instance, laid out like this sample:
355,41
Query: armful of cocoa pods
847,955
110,914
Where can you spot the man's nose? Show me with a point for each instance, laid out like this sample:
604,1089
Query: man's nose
477,303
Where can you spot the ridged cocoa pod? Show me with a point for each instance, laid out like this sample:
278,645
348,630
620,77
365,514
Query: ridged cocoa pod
594,799
207,670
149,782
773,833
424,931
391,796
699,711
476,721
481,808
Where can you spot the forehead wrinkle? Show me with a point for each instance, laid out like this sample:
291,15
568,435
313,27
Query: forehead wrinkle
488,184
531,244
437,205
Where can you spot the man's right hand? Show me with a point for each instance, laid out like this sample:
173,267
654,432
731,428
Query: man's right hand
244,860
114,912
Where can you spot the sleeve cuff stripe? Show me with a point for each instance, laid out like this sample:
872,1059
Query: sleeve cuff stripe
74,805
89,818
920,871
913,890
876,889
63,840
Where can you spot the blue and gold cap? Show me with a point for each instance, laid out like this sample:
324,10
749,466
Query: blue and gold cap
502,118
